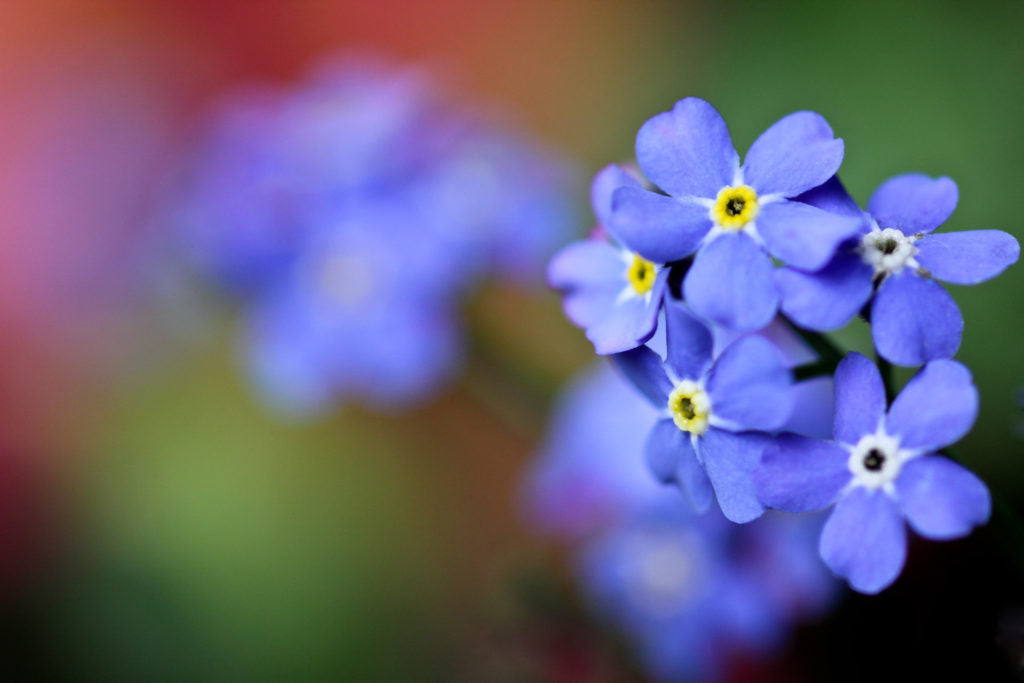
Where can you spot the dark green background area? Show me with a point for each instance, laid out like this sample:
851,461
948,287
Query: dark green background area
205,539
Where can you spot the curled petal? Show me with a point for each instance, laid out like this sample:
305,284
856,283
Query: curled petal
607,180
804,236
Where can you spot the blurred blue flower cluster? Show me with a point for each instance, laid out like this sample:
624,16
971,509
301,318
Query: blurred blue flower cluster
691,592
714,247
351,215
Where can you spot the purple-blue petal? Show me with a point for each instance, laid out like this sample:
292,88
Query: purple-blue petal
661,450
689,342
860,399
731,283
813,408
797,153
671,459
798,474
828,299
967,258
936,408
629,323
687,151
643,368
804,236
940,499
590,274
913,202
607,180
832,197
749,385
730,460
914,320
659,228
864,540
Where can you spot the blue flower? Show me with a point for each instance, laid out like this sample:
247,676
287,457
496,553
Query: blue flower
734,217
714,414
351,320
590,470
894,263
691,593
611,291
880,469
350,215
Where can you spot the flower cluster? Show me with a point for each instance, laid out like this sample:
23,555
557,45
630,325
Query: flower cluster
690,592
351,215
715,250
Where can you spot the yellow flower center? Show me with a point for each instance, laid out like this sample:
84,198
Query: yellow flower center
690,407
735,207
641,274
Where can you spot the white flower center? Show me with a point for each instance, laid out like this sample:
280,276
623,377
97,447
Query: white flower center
876,461
888,251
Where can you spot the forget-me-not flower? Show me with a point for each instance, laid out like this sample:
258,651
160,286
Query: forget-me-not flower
898,259
612,292
880,469
714,412
736,218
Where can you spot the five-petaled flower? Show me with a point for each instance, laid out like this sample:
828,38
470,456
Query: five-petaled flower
613,292
897,258
880,469
736,218
714,412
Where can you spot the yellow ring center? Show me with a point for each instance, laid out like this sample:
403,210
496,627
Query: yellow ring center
735,207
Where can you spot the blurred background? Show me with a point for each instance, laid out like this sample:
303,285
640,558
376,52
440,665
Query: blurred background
158,521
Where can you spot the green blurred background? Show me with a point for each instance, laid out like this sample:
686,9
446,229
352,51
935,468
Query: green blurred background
162,525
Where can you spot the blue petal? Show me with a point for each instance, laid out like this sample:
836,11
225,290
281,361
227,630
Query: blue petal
689,342
591,274
913,202
687,151
607,180
730,460
967,258
660,228
804,236
936,408
671,459
798,474
731,283
940,499
860,399
832,197
914,320
864,540
813,408
828,299
662,448
629,323
749,385
643,368
797,153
